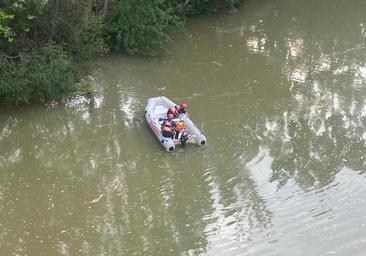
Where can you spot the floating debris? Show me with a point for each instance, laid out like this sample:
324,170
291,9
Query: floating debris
96,200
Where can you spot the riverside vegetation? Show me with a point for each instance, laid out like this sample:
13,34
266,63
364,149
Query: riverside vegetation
45,45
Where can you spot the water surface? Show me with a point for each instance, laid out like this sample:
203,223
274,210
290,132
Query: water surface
279,89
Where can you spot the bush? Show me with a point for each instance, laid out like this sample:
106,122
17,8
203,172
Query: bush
141,26
5,32
42,75
74,25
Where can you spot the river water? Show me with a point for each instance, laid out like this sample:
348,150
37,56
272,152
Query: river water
278,88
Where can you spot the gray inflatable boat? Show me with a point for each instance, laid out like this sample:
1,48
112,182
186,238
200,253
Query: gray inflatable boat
155,114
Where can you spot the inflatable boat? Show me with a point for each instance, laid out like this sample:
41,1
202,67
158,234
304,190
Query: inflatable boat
186,131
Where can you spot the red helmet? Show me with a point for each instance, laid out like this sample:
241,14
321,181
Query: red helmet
183,105
170,116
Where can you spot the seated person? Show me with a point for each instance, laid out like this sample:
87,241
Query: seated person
168,127
179,128
182,108
176,110
173,111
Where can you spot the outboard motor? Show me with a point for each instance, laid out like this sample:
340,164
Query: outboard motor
184,138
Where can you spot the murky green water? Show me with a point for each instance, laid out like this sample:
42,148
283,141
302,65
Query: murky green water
279,89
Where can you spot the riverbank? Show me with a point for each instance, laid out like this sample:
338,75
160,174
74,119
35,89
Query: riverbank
45,47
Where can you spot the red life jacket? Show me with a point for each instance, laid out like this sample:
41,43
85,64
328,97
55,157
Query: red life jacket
173,111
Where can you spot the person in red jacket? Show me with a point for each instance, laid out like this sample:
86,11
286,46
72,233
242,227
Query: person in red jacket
182,108
168,127
173,111
176,110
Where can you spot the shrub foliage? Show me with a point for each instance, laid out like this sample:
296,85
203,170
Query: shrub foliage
41,75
